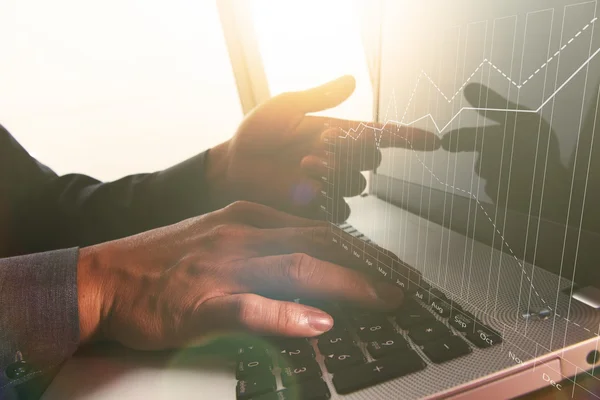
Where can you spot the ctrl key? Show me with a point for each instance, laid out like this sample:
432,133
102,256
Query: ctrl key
255,386
375,372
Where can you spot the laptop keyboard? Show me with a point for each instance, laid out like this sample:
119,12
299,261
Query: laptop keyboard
364,348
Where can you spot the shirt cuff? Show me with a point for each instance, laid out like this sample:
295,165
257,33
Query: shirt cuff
39,320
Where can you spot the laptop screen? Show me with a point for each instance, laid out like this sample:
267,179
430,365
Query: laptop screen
512,88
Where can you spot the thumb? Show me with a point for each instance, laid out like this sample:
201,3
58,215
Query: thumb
319,98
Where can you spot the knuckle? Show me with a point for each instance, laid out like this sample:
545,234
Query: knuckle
240,206
219,231
301,269
229,231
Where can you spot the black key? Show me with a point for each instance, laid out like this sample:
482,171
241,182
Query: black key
375,372
435,293
292,351
252,387
375,331
337,330
270,396
367,317
408,304
253,352
310,390
331,342
462,321
356,234
401,281
247,368
454,305
412,316
328,306
440,307
428,331
446,349
483,336
343,359
301,372
421,294
384,347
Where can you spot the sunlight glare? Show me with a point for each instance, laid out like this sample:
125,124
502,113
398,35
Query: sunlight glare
307,43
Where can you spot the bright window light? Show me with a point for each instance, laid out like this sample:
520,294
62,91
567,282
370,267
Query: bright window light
306,43
114,87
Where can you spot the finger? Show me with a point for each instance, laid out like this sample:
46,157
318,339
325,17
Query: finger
386,135
318,164
367,159
487,101
340,212
334,210
265,217
348,183
470,139
324,243
259,315
321,97
314,241
301,275
362,154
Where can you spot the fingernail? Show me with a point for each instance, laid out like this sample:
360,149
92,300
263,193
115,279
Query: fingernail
389,294
319,321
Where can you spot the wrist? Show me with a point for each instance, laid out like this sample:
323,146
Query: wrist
89,294
216,176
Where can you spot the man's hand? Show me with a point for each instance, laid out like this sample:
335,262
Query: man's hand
276,156
205,276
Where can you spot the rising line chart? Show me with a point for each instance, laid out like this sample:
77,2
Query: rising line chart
390,125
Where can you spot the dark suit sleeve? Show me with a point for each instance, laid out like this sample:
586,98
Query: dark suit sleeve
39,323
40,213
77,210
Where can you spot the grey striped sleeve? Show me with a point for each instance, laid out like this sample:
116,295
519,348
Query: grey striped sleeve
39,321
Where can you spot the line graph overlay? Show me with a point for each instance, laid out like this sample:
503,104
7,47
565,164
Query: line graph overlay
495,68
379,131
391,124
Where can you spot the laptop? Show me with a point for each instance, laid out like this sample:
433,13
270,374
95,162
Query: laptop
496,233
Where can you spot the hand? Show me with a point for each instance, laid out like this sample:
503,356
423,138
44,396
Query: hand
514,155
205,276
276,156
